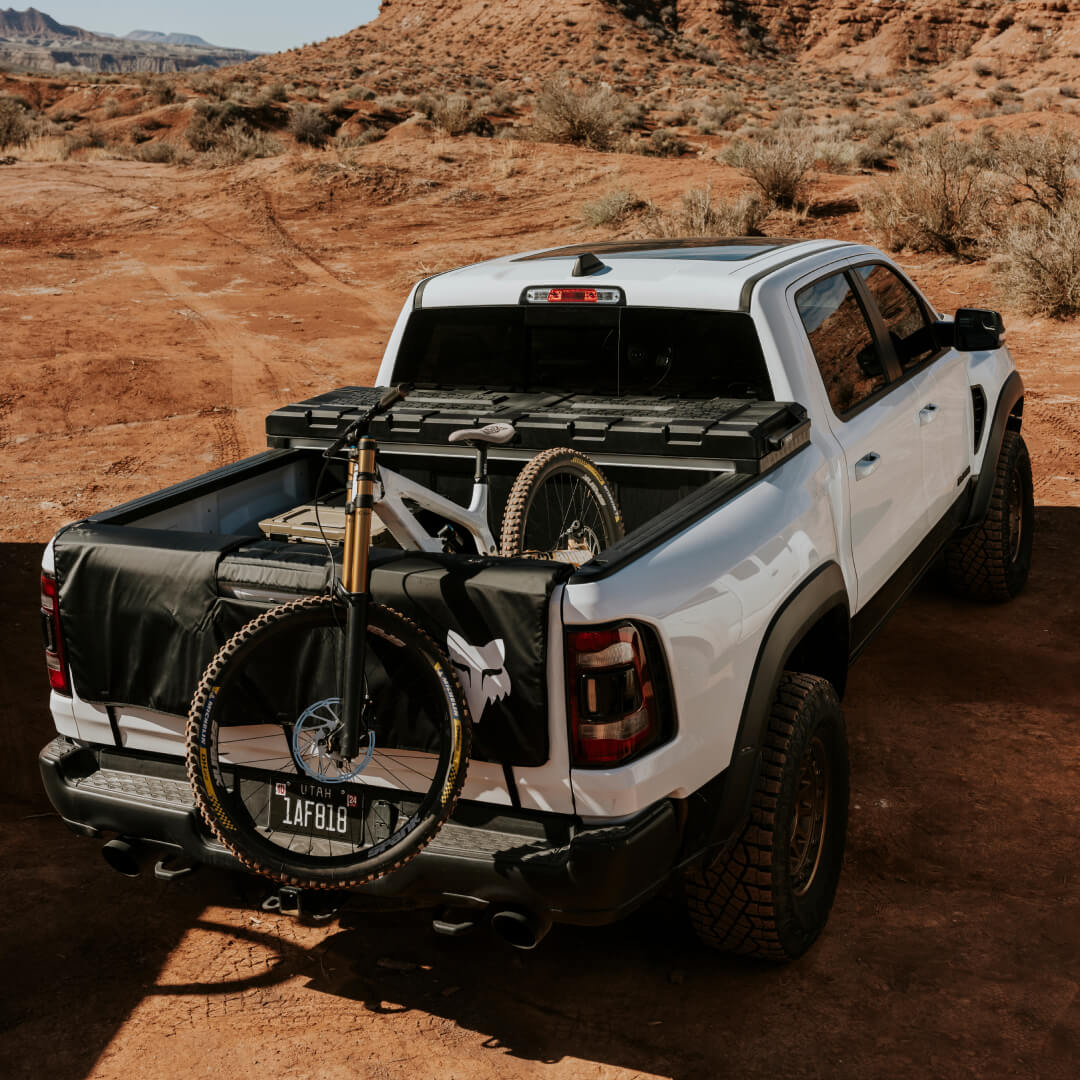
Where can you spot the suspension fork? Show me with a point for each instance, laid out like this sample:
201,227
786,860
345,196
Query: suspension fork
355,590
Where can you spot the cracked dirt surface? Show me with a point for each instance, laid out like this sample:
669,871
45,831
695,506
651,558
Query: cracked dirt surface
151,318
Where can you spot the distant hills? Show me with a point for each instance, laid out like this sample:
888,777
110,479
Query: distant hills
155,37
34,41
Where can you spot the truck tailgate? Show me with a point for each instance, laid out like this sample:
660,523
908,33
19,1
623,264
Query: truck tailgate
144,611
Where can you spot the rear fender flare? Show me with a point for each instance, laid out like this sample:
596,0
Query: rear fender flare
724,802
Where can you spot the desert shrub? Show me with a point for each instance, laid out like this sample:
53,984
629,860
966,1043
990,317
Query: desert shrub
718,114
1039,259
453,114
778,162
613,209
835,153
276,91
371,133
664,143
699,214
702,216
309,124
91,138
14,123
159,153
588,117
161,92
210,119
1042,167
944,197
883,142
240,141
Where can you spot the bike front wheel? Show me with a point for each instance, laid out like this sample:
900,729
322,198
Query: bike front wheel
561,507
261,740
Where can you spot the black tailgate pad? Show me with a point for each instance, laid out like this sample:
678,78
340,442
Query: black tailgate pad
142,618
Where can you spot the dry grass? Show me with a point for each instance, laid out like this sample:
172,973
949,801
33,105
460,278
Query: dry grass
238,142
700,214
613,209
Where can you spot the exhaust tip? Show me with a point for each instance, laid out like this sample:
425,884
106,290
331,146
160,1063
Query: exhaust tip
123,856
520,929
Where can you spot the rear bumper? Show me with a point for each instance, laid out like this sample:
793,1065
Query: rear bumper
483,857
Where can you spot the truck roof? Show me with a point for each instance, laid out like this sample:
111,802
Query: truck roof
700,273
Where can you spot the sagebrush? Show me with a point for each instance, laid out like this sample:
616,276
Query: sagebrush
778,162
590,116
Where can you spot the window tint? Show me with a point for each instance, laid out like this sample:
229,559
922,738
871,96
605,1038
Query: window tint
842,342
587,348
909,327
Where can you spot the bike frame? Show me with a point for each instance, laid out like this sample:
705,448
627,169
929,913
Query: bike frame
408,532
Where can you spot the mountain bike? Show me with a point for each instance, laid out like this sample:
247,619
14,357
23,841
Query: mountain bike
328,739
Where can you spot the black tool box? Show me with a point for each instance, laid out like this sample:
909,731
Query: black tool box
751,435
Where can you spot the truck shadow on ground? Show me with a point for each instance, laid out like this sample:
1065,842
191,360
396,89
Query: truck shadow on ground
953,948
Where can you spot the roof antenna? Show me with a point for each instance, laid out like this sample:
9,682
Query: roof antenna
587,265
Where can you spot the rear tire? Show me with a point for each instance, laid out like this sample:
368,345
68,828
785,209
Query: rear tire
770,896
561,507
992,561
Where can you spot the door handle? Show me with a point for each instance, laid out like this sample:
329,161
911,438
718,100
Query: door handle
866,465
927,413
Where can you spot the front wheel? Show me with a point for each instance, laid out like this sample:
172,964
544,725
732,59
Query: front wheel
262,740
561,507
770,896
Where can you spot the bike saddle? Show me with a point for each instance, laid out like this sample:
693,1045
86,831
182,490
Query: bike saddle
495,434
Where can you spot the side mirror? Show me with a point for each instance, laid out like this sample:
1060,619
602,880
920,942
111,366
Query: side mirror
978,330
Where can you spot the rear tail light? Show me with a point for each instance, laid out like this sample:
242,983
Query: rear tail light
613,706
50,628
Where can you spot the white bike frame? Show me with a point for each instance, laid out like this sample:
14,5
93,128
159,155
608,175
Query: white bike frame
392,489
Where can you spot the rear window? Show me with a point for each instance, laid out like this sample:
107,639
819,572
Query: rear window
612,351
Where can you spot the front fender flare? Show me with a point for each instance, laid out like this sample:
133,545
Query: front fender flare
1011,393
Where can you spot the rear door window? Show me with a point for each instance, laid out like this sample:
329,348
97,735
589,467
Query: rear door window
843,342
909,324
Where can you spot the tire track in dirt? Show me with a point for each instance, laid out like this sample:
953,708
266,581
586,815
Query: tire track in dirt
261,204
240,429
125,466
1055,420
7,404
313,268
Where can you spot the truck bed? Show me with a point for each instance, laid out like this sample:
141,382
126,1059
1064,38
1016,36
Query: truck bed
150,590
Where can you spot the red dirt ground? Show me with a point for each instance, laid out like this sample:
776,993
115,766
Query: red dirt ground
151,318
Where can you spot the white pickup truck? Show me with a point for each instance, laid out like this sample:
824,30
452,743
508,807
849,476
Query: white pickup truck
793,434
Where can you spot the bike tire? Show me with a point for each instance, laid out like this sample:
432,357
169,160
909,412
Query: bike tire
558,489
248,700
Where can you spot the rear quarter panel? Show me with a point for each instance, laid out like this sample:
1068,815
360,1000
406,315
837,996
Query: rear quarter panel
710,593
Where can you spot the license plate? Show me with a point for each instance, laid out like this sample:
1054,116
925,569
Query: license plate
312,809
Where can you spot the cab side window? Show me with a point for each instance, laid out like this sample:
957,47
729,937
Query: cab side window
842,340
908,323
